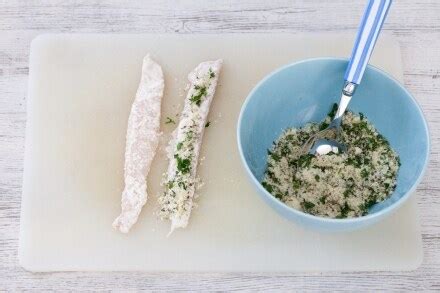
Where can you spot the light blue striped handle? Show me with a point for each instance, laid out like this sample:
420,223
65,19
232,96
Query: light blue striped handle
371,24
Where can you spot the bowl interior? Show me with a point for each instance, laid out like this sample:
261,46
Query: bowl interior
304,92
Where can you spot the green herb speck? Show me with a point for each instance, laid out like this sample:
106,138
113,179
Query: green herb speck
344,211
307,205
196,98
169,121
211,73
305,160
183,165
170,184
268,187
364,173
296,184
323,125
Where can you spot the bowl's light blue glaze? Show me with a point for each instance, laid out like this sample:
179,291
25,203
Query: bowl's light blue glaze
304,92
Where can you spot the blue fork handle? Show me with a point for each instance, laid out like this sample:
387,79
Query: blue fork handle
371,24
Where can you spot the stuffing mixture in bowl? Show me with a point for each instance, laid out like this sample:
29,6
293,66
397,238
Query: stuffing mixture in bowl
342,185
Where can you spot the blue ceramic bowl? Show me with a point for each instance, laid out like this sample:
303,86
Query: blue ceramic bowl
304,92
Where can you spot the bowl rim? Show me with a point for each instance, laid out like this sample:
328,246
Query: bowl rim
344,221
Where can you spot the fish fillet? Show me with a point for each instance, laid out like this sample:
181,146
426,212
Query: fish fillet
141,143
176,202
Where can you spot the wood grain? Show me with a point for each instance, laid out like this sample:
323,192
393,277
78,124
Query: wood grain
416,25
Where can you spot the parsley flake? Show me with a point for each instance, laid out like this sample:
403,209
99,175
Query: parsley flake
211,73
170,121
196,98
183,165
179,146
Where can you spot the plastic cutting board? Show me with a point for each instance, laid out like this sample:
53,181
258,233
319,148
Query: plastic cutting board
80,91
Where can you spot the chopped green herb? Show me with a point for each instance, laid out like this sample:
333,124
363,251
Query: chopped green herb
347,192
344,211
355,161
207,124
285,150
182,185
179,146
196,98
183,165
268,187
305,160
296,184
170,121
323,125
170,184
290,137
211,73
279,196
274,156
307,205
367,205
364,173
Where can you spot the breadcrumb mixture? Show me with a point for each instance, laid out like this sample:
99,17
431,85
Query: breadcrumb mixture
334,185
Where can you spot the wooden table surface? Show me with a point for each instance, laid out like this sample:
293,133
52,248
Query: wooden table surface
415,23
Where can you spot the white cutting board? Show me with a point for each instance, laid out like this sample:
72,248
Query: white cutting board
80,91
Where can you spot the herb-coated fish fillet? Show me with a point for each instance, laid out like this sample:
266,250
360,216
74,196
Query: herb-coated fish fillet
177,200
